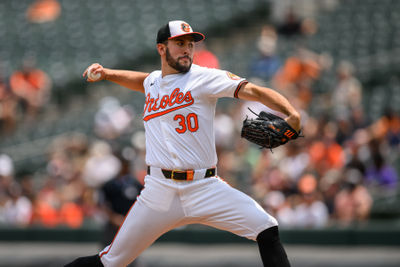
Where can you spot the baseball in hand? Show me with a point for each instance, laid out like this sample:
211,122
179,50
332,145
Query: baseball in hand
93,76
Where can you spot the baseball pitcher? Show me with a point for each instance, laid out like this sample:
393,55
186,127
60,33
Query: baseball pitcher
182,186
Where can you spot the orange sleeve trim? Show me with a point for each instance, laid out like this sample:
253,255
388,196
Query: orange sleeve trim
236,94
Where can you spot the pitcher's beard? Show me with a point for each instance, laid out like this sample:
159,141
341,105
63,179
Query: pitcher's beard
175,63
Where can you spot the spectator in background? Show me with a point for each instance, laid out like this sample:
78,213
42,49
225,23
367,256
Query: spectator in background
393,132
32,86
18,208
380,174
354,161
303,67
67,156
388,128
274,202
272,179
204,57
353,202
224,130
112,119
59,203
3,201
329,185
347,95
47,204
267,63
71,214
101,165
291,25
344,131
325,153
71,211
311,212
6,171
117,197
309,27
358,119
41,11
59,166
295,161
6,182
27,185
8,107
286,213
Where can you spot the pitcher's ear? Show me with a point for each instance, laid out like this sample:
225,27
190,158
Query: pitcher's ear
161,48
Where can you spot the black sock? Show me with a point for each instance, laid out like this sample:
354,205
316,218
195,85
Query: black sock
89,261
272,252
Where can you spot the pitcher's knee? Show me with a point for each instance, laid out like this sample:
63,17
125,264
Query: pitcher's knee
270,234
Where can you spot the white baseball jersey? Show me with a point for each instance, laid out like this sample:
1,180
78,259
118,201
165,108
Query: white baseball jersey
179,116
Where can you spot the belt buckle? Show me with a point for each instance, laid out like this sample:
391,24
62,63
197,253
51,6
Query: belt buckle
172,174
189,175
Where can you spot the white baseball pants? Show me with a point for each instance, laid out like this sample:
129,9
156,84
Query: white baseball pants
165,204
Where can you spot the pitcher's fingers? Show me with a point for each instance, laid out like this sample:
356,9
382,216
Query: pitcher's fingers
96,70
92,66
95,66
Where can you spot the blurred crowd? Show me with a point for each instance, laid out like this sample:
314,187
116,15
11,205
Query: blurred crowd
73,187
22,95
28,89
328,177
345,160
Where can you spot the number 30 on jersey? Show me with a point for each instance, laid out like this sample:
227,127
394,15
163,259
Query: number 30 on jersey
190,122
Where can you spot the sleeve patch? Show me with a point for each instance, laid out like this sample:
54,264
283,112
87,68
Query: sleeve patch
232,76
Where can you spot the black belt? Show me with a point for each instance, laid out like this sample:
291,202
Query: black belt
183,175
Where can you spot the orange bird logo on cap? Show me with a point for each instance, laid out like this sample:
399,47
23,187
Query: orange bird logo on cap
185,27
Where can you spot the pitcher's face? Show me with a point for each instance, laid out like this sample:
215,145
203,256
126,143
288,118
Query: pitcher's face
179,53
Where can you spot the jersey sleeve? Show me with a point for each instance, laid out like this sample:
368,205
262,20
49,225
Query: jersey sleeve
221,83
150,79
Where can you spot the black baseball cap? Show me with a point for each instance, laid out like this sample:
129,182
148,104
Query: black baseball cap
175,29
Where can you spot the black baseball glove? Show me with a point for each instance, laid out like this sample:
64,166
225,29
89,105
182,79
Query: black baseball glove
268,130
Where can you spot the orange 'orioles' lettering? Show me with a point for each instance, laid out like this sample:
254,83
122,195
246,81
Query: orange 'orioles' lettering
175,98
